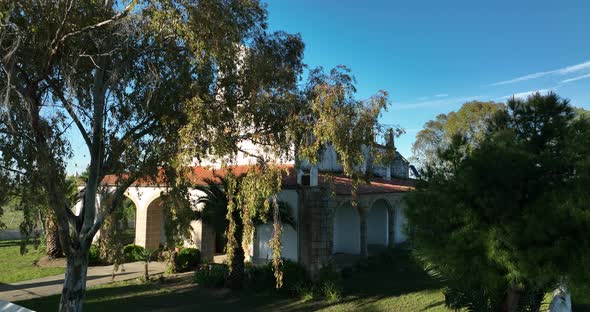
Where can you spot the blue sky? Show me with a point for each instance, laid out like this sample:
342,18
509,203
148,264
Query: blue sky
432,56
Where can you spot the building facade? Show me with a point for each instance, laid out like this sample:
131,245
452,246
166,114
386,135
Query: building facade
320,199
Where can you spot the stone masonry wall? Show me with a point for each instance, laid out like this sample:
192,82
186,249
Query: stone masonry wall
315,228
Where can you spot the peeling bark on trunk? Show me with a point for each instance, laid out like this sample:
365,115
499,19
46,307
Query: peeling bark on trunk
74,288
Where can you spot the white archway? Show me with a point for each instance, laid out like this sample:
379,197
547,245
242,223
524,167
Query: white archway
154,225
378,223
346,230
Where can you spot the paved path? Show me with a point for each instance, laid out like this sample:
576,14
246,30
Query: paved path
52,285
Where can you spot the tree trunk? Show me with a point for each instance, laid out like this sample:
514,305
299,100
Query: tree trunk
363,232
236,277
74,288
146,272
512,299
53,246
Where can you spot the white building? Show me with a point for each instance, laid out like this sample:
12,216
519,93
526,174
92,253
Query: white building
320,199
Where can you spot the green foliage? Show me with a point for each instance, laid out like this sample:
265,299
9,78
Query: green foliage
295,278
212,275
94,255
330,283
509,216
296,282
133,252
146,255
470,121
188,259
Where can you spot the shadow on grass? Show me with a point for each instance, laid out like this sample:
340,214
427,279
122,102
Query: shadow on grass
9,243
390,275
25,285
393,273
171,297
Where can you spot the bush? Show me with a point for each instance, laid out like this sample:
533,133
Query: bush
305,291
294,277
259,277
187,259
94,256
331,291
212,275
330,283
133,252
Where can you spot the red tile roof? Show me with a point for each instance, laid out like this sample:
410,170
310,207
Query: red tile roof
342,185
339,183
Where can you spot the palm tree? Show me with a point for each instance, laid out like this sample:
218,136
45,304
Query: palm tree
214,212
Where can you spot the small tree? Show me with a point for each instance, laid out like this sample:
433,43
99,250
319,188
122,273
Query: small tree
503,225
146,256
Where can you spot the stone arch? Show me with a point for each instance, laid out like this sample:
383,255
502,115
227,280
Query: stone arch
130,223
378,224
154,225
346,229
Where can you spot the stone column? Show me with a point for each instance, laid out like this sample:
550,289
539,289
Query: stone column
391,225
140,225
315,228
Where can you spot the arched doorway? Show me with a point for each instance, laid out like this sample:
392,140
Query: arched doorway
128,221
154,229
378,225
346,230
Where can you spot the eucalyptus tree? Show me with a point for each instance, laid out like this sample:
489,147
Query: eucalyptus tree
125,83
470,121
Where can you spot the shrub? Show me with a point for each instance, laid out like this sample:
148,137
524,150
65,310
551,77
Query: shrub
330,283
94,256
212,275
262,277
133,252
330,290
294,274
259,277
187,259
305,291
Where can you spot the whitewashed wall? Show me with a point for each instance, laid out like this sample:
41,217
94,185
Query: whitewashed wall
400,221
288,237
346,230
377,224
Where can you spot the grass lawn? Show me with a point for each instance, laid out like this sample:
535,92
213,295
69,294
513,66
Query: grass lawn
16,267
388,283
11,218
394,283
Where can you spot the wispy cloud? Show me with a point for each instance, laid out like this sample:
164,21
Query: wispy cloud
561,71
441,95
524,95
575,78
438,102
